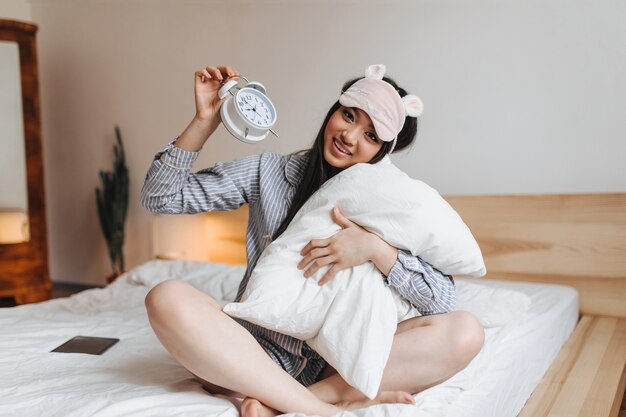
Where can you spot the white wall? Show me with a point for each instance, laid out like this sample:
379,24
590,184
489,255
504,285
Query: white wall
520,96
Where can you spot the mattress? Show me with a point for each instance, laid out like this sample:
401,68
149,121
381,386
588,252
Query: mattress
525,326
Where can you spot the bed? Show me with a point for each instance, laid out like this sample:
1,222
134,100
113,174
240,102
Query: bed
555,345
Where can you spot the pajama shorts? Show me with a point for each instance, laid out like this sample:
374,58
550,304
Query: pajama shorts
293,355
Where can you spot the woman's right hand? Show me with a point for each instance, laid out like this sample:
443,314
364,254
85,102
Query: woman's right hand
208,82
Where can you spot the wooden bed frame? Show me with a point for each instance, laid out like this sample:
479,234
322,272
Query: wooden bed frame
577,240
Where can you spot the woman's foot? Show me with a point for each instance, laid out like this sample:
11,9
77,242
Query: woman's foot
385,397
251,407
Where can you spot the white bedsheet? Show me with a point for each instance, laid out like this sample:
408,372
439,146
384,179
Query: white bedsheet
137,377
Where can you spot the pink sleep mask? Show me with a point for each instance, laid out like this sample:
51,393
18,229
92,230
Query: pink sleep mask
381,102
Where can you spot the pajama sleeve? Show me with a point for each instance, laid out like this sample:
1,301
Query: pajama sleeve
171,187
430,291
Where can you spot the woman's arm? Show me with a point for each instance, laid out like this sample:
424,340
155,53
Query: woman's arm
430,291
170,187
207,83
427,289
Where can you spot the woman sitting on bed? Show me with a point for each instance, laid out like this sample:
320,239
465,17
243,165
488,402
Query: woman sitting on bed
235,357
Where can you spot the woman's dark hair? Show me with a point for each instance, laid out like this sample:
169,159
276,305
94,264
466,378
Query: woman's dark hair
318,171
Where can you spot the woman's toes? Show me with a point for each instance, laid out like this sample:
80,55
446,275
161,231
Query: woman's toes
395,397
251,407
408,398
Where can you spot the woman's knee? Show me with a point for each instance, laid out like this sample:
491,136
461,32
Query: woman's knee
172,301
163,294
469,335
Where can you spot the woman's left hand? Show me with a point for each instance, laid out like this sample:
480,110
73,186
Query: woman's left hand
351,246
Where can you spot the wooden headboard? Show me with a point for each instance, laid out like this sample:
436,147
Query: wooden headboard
573,239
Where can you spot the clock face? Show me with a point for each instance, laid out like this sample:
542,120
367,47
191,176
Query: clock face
255,107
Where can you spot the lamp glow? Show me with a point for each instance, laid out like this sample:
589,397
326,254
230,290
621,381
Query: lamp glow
209,237
14,227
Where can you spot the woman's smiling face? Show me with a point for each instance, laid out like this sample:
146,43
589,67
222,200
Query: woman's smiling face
350,138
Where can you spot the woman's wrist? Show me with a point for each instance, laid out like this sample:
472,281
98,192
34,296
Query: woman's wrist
207,120
383,255
197,133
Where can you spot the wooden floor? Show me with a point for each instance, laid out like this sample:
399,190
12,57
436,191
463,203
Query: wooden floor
587,378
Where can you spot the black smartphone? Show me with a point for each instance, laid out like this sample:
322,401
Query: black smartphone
86,344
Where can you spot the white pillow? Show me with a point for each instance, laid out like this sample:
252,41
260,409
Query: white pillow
493,306
351,320
218,280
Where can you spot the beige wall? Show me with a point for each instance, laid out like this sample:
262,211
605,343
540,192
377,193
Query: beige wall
16,10
520,97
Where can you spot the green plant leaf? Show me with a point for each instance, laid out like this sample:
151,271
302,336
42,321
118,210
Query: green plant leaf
112,204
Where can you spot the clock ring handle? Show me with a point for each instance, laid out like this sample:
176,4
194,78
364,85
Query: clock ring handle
225,89
229,85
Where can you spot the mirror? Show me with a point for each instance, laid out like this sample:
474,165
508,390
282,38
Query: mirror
13,196
23,237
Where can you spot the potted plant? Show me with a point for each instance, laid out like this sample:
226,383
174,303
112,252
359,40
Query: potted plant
112,203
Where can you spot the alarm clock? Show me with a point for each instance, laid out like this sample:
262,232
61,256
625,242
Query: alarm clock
248,114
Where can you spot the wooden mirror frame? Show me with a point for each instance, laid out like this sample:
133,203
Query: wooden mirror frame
24,266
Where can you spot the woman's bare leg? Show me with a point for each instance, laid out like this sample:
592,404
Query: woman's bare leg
425,352
210,344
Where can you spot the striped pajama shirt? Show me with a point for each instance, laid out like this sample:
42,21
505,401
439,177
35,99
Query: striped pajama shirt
267,182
